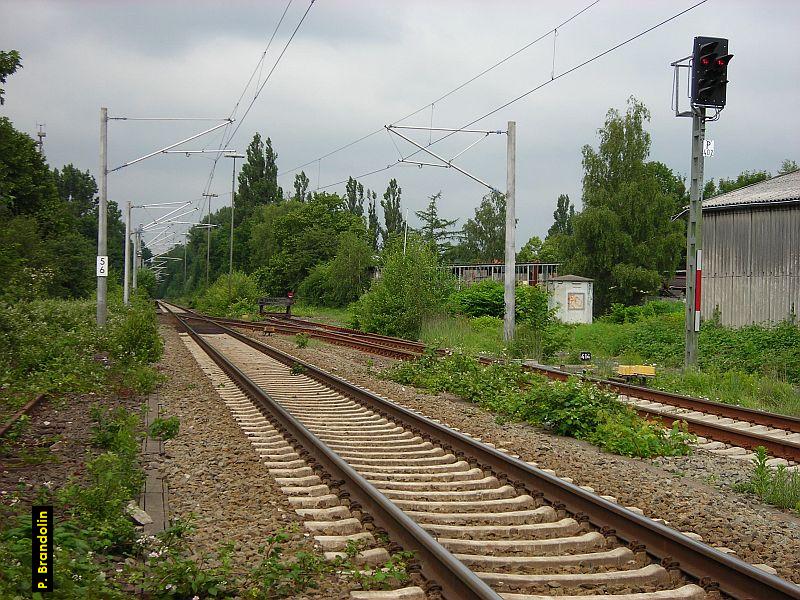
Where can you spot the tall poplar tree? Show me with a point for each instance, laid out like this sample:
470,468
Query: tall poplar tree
258,179
392,213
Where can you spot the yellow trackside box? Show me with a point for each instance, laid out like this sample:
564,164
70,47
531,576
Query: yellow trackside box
636,371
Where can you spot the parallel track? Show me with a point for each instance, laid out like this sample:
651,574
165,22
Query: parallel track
735,425
499,516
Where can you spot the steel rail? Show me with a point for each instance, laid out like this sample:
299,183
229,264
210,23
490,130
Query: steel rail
438,565
26,409
408,350
712,568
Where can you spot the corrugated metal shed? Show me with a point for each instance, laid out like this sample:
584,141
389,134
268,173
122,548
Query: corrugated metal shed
751,256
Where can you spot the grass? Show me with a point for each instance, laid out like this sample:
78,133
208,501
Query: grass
779,487
342,317
481,335
751,367
54,347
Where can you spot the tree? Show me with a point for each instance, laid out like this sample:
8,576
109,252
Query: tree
258,179
484,236
624,238
410,289
787,166
10,61
744,178
562,216
435,230
530,251
354,194
373,225
392,213
301,187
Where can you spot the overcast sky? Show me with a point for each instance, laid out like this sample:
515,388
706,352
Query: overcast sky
355,66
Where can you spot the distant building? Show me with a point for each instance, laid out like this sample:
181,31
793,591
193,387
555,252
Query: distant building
572,296
751,252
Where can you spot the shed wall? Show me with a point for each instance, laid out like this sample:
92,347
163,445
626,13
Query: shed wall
751,264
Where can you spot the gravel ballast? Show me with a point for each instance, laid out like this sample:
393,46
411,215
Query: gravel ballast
215,476
692,494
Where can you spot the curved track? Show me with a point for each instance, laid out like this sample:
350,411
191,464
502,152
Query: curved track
482,523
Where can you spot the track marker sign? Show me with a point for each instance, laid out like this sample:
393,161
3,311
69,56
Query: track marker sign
708,148
102,266
586,356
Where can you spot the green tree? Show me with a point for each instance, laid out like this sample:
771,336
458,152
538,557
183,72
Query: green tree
258,179
411,288
787,166
483,236
374,230
306,235
724,186
301,187
10,61
392,213
354,195
562,216
530,251
343,279
436,230
624,238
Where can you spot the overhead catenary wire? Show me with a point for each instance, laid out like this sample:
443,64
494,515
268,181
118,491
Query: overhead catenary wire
537,88
448,93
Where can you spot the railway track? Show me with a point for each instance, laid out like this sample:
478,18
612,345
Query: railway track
720,423
481,522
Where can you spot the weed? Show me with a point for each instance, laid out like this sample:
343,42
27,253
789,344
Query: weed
277,577
115,430
164,429
298,369
779,486
572,408
302,339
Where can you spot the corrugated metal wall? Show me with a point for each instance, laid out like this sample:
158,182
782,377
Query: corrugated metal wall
751,264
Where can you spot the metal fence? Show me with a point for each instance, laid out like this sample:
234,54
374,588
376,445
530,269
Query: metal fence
529,273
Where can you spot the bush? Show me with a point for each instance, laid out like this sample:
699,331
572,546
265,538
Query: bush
410,289
343,279
242,298
572,408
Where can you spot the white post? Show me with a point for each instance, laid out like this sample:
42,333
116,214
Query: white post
126,291
405,234
137,248
102,216
511,259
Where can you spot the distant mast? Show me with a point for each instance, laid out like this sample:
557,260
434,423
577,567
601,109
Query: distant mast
41,135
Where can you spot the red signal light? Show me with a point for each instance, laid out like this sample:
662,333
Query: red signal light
721,62
705,61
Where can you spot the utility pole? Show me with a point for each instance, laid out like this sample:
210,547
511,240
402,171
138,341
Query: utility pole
694,238
185,243
102,223
234,156
208,234
511,224
126,292
137,251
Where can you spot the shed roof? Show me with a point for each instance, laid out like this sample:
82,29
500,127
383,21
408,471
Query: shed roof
570,278
777,190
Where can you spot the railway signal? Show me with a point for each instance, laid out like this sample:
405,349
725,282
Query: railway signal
710,60
708,70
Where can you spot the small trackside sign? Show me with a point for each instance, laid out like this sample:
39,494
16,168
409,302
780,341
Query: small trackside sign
102,266
708,148
586,356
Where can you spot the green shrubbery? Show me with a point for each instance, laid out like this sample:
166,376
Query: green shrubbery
343,279
410,289
54,346
242,298
571,408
